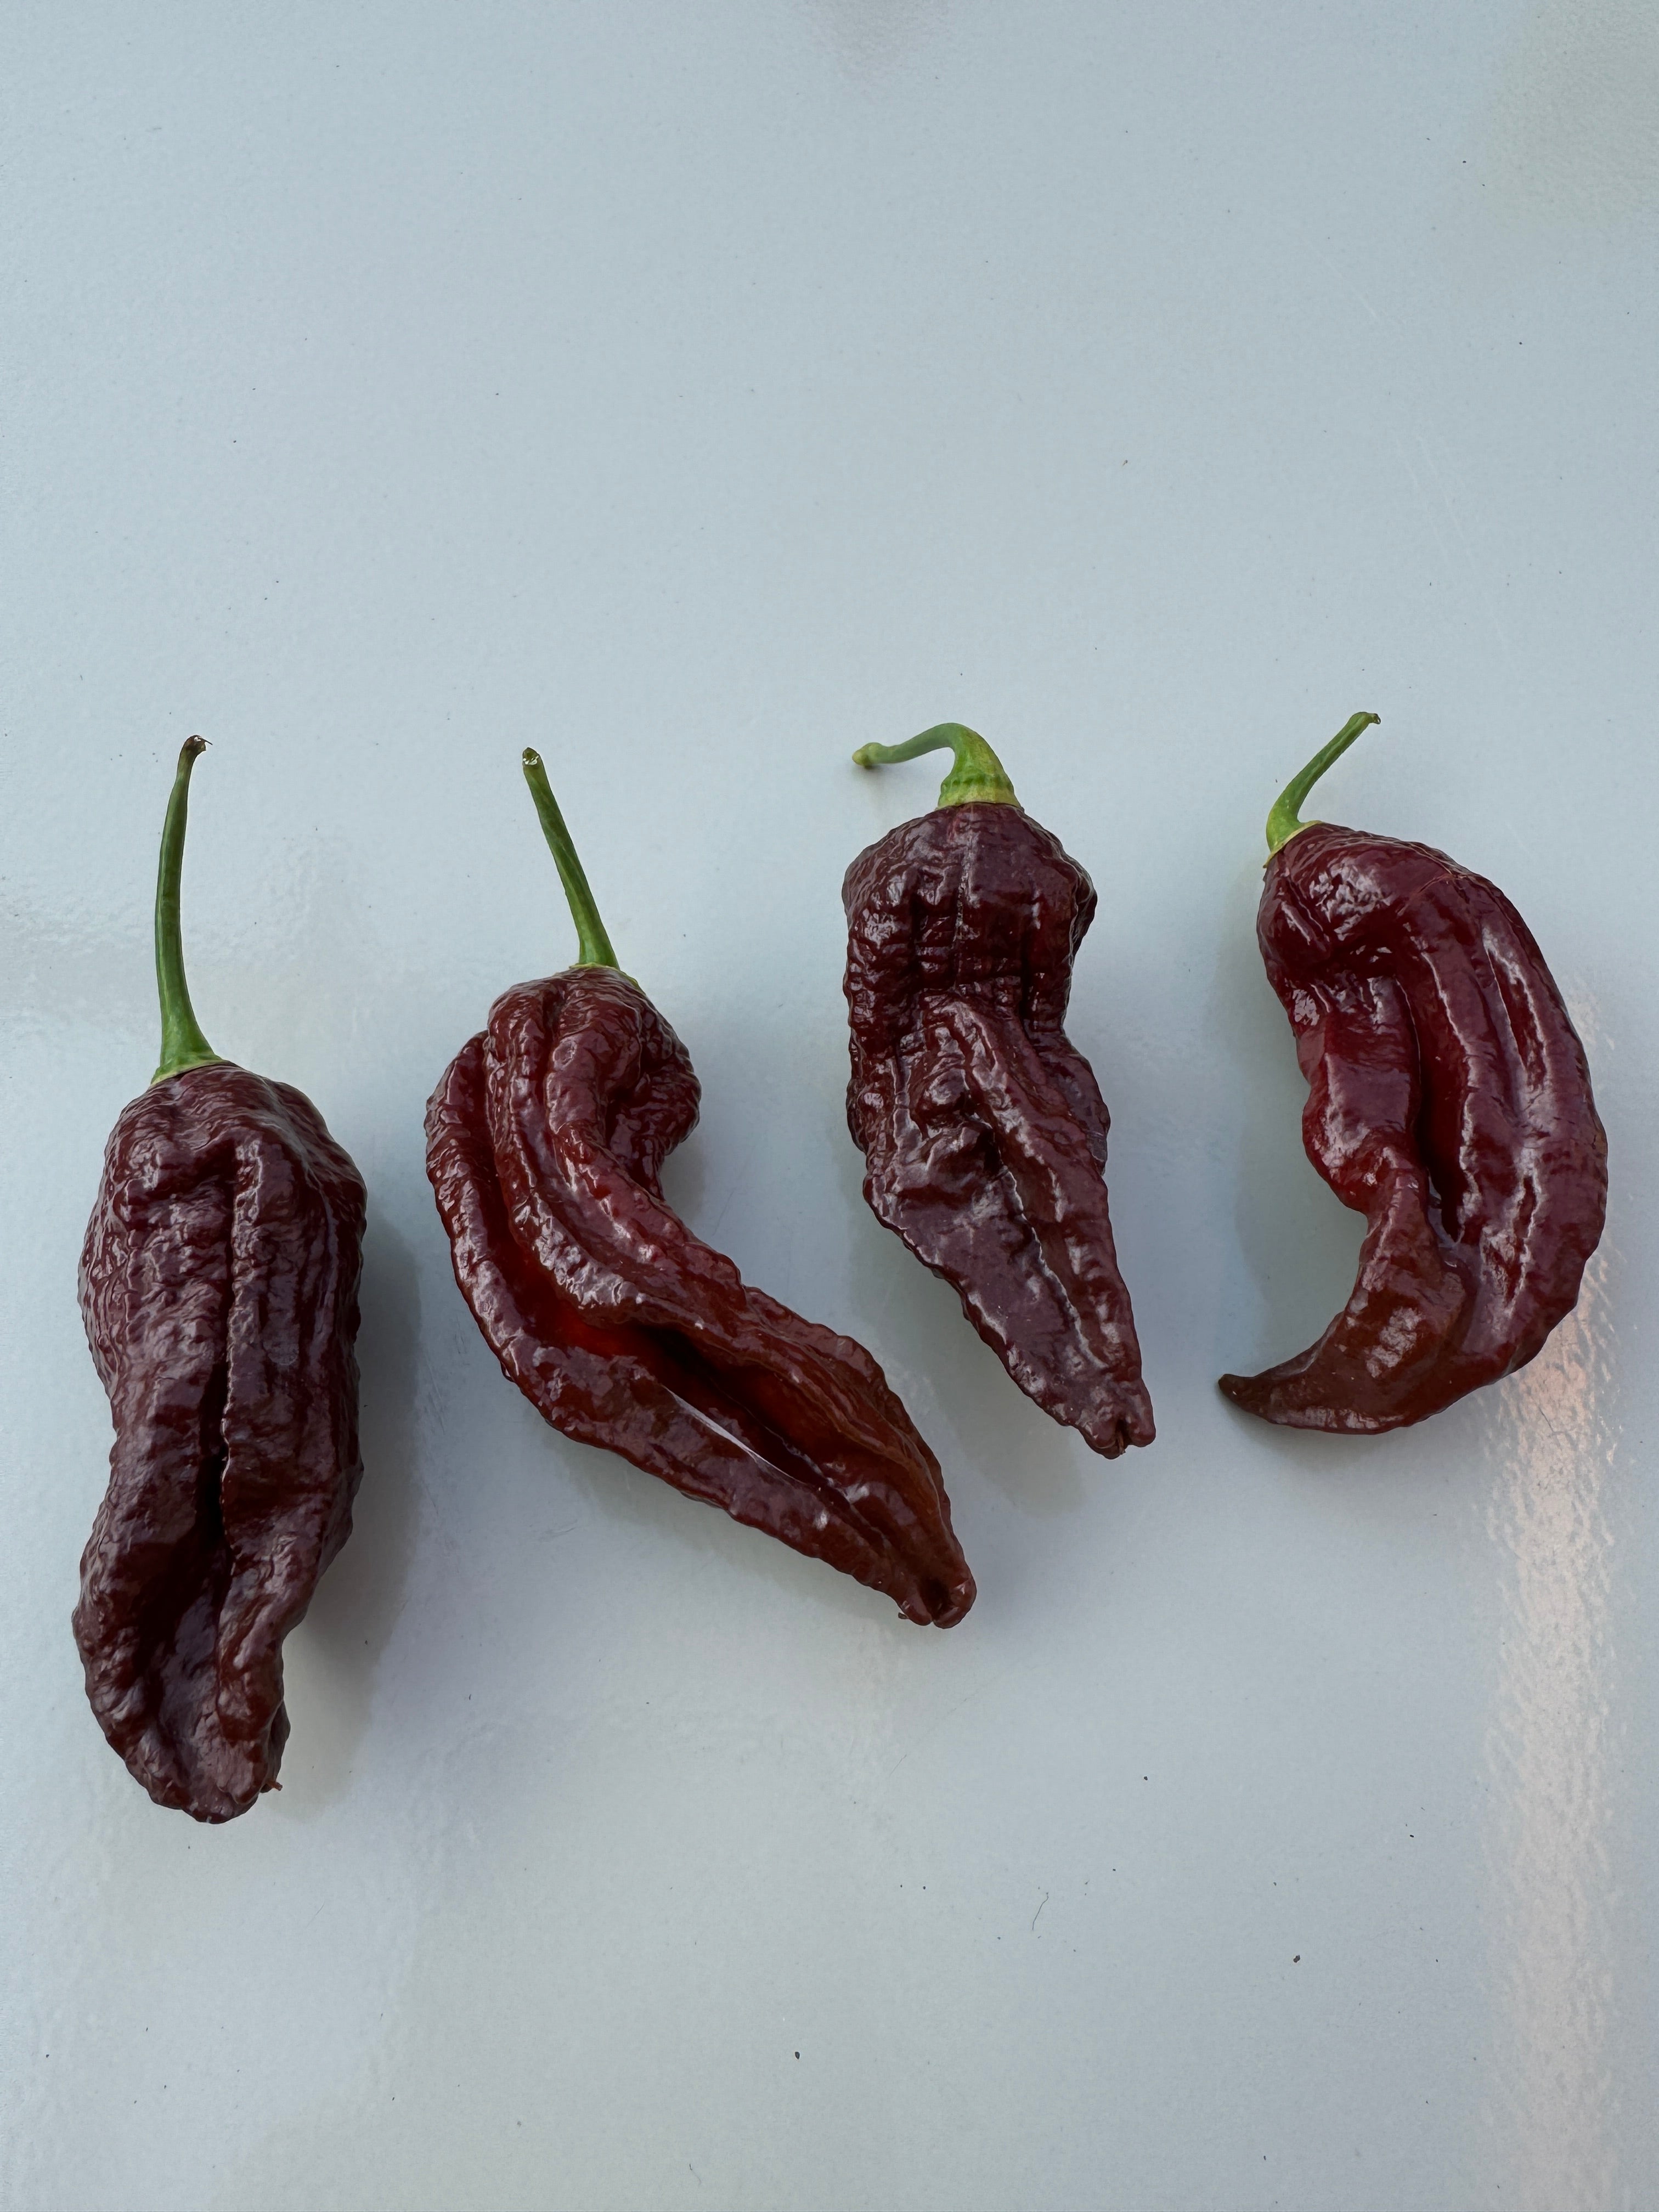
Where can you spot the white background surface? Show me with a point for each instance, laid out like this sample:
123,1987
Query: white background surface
695,394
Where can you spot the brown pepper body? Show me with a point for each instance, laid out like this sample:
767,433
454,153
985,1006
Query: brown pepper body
545,1139
982,1126
1448,1102
219,1287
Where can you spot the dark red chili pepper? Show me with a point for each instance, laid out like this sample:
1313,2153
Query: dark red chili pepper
982,1126
219,1287
545,1141
1448,1102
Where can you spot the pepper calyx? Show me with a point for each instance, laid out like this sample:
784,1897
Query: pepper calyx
977,776
1284,820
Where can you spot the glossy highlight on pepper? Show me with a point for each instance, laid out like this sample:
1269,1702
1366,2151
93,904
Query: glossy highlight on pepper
982,1126
545,1139
219,1288
1448,1100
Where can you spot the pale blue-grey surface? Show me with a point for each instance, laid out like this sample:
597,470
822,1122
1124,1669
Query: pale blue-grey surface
697,393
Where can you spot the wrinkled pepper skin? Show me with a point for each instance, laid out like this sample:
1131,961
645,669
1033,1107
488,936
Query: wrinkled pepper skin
1449,1102
545,1139
982,1126
219,1287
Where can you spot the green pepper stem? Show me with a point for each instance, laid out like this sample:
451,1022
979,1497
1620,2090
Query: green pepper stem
592,945
1283,823
183,1045
977,773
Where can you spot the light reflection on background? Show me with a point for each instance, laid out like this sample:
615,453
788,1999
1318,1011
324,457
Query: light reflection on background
871,37
1552,1754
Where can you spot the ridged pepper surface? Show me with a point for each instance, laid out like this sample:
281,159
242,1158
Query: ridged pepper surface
545,1139
982,1126
1448,1100
219,1287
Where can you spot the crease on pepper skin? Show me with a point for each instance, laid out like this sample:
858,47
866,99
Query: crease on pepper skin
983,1129
219,1288
546,1136
1448,1100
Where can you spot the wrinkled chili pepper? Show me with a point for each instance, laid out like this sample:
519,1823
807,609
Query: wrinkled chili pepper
545,1139
1448,1103
219,1287
982,1127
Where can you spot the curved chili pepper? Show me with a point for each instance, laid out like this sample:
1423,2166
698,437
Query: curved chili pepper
1448,1102
219,1288
545,1139
982,1126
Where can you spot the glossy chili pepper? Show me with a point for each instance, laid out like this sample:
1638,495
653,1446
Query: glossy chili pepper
545,1139
982,1127
1448,1103
219,1288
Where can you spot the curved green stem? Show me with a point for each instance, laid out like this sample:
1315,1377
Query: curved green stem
183,1045
592,945
977,773
1283,823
